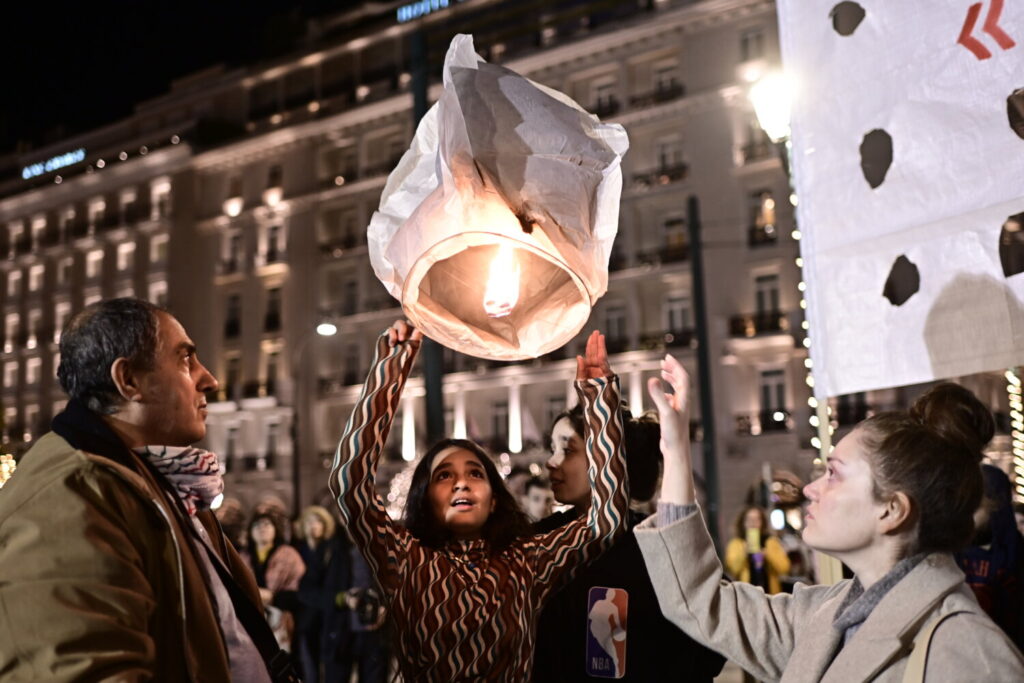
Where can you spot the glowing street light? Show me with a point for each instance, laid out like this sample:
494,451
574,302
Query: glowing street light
326,329
771,97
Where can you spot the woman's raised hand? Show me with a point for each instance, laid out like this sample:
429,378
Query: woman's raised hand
674,416
674,408
594,363
402,330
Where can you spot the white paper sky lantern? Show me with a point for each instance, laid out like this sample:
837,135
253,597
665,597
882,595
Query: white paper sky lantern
495,228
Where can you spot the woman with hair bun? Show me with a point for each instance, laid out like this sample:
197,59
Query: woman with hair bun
895,502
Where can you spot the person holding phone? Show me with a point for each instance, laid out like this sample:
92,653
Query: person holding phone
754,555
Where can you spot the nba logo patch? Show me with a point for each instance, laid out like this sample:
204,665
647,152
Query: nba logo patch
607,612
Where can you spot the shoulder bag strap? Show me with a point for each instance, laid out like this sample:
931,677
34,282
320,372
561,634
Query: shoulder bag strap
914,673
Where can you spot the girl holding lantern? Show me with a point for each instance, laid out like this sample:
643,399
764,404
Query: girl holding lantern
463,579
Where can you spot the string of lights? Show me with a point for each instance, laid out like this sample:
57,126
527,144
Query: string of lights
1013,389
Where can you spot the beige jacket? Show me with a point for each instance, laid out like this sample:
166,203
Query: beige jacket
790,638
98,580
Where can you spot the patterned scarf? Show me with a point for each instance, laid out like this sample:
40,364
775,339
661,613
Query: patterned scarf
194,473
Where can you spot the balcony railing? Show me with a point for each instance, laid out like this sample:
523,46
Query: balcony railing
754,324
229,266
617,344
668,339
663,93
662,175
337,247
772,420
762,235
607,106
759,150
673,253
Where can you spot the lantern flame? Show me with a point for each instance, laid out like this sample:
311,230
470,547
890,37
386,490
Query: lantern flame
502,291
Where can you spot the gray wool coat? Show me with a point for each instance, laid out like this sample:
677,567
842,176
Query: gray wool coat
790,638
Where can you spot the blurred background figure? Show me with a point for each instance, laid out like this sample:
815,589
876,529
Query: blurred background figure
320,623
364,649
539,500
754,555
232,516
516,482
994,562
278,569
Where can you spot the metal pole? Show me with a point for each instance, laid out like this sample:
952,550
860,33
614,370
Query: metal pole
707,410
430,351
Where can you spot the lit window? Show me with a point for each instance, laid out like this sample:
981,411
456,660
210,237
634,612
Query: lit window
158,293
751,45
64,269
61,314
13,283
94,264
32,371
10,376
158,248
35,277
160,197
125,256
12,327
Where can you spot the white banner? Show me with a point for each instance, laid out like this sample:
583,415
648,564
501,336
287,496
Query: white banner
908,156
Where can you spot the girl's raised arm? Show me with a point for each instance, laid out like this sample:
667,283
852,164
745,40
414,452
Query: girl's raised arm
352,478
559,552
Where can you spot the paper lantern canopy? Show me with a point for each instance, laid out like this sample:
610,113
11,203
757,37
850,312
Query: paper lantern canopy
495,229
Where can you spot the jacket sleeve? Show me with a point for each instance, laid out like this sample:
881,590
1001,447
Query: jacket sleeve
353,475
558,553
737,619
75,602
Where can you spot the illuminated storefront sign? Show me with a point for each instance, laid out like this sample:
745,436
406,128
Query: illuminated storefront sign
415,10
53,163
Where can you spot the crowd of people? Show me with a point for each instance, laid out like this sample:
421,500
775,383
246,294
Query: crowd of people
114,564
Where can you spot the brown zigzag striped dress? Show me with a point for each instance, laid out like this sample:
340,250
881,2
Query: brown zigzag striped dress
461,613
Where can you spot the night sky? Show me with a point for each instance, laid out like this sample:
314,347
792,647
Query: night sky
81,65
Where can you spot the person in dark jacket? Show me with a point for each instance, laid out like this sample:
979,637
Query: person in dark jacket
994,562
320,624
606,623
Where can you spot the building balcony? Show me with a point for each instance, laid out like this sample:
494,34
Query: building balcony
383,168
605,107
663,175
762,235
667,339
759,150
336,248
673,253
848,414
230,266
772,420
617,344
661,94
756,324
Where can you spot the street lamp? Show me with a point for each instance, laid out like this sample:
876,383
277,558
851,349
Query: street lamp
300,402
771,97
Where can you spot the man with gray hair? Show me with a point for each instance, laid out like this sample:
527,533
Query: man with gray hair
112,564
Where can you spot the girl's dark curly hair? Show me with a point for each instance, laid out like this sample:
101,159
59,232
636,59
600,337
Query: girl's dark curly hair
503,526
